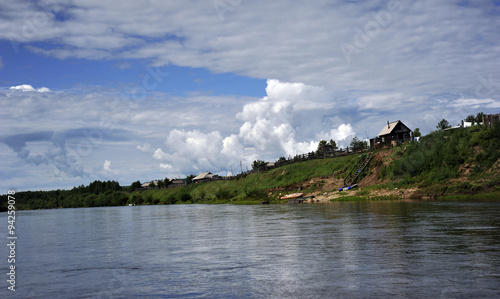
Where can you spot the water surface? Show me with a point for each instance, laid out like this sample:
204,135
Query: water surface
343,250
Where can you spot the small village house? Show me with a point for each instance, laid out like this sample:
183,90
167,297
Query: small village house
205,177
174,183
391,134
150,184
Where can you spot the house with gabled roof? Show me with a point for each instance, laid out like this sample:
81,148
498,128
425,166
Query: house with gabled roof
205,176
391,134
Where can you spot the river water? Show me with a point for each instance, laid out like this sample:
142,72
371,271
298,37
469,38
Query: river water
340,250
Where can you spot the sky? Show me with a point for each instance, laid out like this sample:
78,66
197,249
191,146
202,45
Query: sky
142,90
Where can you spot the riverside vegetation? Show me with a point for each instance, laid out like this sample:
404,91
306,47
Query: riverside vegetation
446,164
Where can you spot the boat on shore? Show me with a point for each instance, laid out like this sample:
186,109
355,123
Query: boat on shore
292,196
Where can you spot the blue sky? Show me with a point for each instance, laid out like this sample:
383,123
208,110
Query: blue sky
25,66
129,90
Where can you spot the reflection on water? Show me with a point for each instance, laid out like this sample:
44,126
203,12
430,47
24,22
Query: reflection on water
350,249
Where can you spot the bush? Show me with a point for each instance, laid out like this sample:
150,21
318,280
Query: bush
170,200
255,194
184,197
136,199
222,194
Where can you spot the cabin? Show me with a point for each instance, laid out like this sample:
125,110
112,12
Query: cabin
391,134
328,151
205,177
174,183
150,185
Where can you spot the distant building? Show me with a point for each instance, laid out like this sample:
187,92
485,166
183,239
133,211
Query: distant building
204,177
150,184
174,183
391,134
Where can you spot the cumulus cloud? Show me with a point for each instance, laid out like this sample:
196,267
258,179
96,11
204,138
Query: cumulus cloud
270,128
179,140
27,87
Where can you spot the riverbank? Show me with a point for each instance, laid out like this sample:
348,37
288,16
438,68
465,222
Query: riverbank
444,165
320,180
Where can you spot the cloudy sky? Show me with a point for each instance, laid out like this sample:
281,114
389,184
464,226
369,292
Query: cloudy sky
140,90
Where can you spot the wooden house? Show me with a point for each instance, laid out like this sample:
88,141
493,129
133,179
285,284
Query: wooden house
174,183
205,177
391,134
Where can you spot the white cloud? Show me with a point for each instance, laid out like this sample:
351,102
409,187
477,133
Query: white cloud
166,166
426,61
476,103
270,127
342,133
27,87
383,101
107,166
409,47
145,148
79,133
160,155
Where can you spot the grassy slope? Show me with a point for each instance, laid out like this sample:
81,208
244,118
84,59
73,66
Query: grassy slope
258,186
454,164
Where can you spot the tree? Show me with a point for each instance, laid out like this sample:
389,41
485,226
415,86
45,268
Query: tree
358,144
135,185
471,119
443,124
190,178
321,144
166,182
479,117
333,144
257,164
161,184
417,133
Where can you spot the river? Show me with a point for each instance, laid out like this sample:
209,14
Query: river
340,250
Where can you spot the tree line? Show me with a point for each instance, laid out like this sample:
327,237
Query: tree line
96,194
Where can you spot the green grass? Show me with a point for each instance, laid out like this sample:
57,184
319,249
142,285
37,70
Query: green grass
439,155
253,188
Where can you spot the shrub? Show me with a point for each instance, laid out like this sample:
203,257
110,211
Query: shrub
222,194
170,200
183,197
255,194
